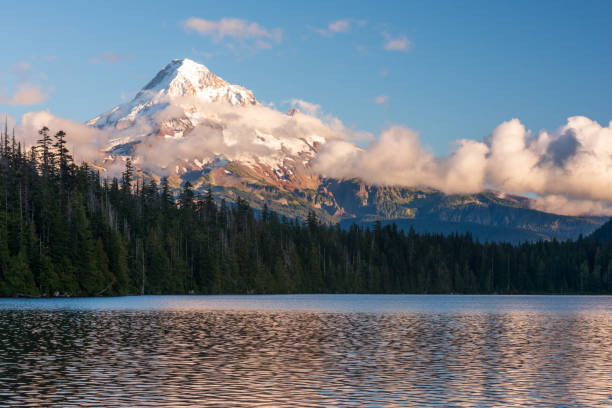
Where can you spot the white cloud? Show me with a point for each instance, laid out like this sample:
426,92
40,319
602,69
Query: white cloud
306,107
26,94
557,204
573,163
339,26
84,142
568,170
380,99
234,29
335,125
397,158
238,138
400,43
7,121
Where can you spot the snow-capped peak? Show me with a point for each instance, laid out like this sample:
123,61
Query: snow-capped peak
179,71
184,77
180,78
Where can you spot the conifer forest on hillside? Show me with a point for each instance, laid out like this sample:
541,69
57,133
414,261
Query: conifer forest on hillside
66,231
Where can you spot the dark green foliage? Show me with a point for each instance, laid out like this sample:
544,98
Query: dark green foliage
603,233
64,231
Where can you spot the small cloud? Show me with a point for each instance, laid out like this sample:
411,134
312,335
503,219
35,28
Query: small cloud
338,26
26,94
306,107
236,29
108,58
380,99
401,43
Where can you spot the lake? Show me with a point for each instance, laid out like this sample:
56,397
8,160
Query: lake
307,350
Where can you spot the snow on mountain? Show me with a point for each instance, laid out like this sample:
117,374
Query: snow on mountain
199,120
180,78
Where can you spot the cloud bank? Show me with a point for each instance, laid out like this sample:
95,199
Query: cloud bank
235,134
397,158
570,167
85,143
568,170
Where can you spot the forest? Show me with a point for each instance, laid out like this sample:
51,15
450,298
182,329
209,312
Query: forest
67,231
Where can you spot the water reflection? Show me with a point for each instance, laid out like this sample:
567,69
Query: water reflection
271,358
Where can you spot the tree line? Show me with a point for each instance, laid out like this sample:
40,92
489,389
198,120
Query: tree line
67,231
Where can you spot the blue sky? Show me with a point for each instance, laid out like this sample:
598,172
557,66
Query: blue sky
449,70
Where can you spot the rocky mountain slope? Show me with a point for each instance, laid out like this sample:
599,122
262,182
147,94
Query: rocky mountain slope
190,125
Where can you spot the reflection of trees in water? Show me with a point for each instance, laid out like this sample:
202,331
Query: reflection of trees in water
297,358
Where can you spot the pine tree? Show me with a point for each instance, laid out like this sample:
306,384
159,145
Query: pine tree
47,155
63,155
126,176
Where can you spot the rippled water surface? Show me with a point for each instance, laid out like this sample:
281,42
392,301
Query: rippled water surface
308,350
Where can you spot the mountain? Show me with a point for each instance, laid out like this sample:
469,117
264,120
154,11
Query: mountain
488,216
188,124
186,104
